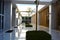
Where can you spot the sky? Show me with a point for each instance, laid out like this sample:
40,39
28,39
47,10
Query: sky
24,7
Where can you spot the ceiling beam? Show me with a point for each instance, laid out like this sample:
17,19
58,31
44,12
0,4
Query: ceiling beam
31,2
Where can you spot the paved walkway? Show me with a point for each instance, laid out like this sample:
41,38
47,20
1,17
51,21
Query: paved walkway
20,33
55,34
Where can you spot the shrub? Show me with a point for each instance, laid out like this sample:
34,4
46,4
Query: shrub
28,25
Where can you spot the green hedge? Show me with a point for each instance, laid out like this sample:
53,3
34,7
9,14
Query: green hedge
37,35
28,25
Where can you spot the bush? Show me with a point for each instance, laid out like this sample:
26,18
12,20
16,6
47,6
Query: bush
28,25
37,35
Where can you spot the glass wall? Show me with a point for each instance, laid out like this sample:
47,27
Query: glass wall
0,21
1,15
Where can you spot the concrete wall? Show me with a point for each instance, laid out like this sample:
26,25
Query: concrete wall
54,19
44,16
33,18
57,11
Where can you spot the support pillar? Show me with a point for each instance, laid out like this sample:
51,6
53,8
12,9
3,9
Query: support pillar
8,15
13,16
52,18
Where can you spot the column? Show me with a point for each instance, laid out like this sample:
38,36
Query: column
52,18
13,16
8,15
7,20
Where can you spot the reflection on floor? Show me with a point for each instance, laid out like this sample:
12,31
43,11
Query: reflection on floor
20,33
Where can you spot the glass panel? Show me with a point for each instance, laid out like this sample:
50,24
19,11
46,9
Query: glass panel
0,7
0,21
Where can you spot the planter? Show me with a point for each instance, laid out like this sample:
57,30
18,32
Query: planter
37,35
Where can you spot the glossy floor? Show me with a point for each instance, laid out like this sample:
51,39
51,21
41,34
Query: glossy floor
20,33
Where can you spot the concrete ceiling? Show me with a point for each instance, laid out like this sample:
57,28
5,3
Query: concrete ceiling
43,2
31,1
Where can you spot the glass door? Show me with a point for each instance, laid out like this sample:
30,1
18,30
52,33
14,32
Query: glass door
1,15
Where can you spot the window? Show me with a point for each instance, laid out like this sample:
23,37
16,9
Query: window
0,21
0,7
1,15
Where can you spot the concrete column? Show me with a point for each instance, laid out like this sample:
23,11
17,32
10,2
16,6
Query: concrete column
50,11
8,15
13,16
13,22
52,18
7,20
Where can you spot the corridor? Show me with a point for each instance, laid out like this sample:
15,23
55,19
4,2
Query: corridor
41,14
